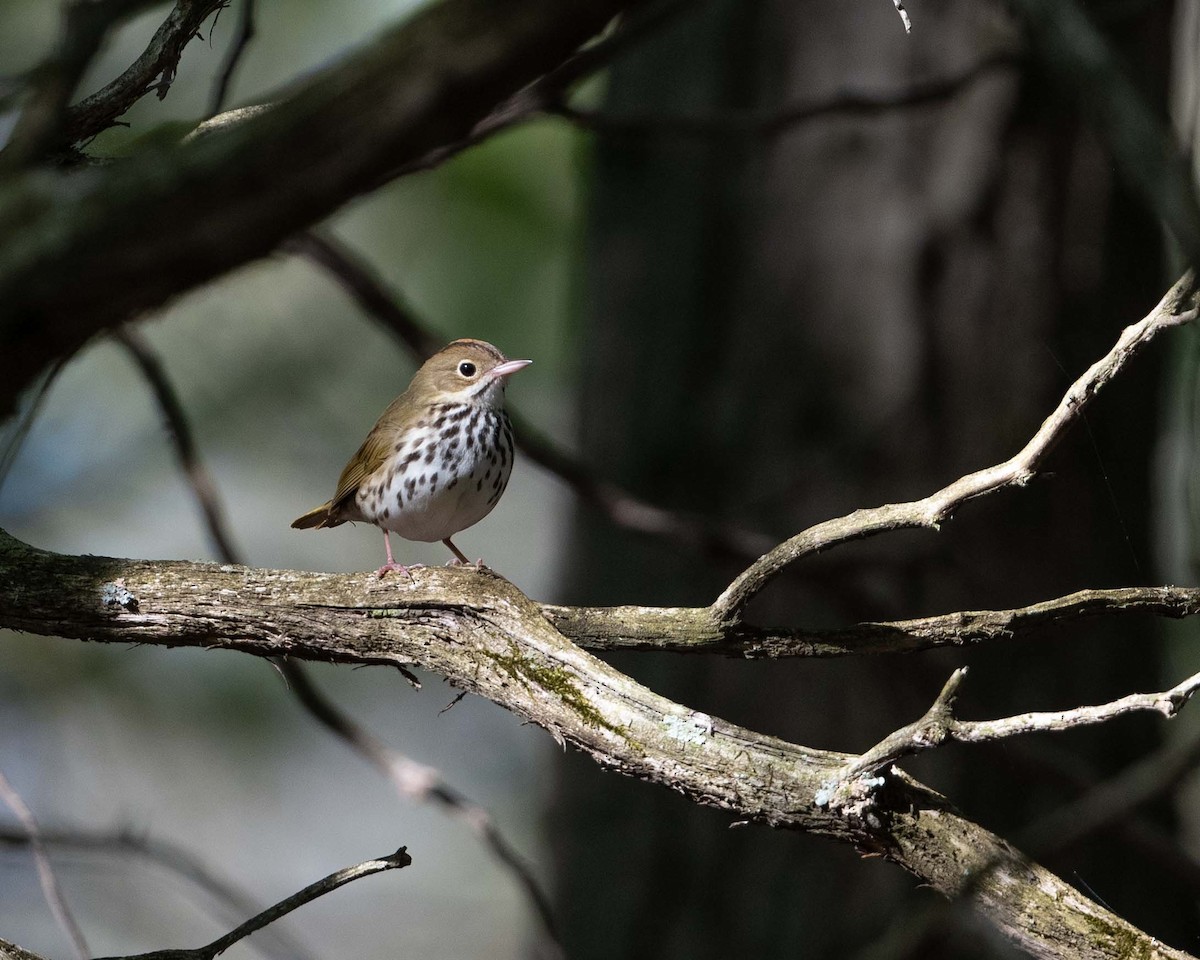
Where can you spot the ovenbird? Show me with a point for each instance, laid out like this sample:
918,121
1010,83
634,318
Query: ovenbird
438,458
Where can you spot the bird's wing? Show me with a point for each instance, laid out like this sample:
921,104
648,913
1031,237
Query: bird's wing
366,461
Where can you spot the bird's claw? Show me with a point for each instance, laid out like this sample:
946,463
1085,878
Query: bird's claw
399,567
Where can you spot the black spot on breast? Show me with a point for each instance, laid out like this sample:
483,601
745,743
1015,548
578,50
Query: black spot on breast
411,459
411,486
479,486
431,453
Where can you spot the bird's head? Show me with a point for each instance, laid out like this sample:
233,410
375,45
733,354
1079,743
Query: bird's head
466,371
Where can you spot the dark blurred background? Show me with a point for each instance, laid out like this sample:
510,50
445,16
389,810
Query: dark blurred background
788,262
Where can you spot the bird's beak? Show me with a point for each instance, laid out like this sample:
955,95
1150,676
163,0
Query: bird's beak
510,366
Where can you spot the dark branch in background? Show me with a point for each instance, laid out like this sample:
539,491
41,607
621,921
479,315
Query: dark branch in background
169,856
18,428
776,123
42,120
543,93
328,884
236,194
1113,801
426,785
241,40
619,505
153,71
411,780
180,433
51,891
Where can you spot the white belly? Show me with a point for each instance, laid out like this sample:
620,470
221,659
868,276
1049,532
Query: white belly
437,483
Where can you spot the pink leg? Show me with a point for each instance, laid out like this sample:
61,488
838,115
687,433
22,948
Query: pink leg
459,556
391,563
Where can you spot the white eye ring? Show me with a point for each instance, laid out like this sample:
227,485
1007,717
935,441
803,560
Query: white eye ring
466,368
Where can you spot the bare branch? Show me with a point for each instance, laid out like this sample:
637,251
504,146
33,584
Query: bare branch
328,884
939,724
775,123
180,432
1178,307
620,506
899,5
51,890
40,124
485,636
241,40
154,71
697,629
169,856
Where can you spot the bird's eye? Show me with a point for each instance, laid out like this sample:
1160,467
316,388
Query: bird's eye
467,368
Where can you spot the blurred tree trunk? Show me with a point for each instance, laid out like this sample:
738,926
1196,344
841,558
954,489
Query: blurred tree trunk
782,329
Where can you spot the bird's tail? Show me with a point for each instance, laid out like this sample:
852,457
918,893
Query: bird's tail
318,517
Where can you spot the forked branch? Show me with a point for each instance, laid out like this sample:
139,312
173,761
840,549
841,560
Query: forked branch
939,724
1178,307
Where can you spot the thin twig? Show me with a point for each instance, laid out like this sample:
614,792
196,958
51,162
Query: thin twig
940,724
169,856
775,123
1114,800
425,784
241,40
154,70
180,432
51,890
899,5
1178,307
40,124
622,507
19,426
549,89
328,884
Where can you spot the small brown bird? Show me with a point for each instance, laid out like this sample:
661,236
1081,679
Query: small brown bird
438,458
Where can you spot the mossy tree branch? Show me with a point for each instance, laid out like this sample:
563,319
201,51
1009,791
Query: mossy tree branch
485,636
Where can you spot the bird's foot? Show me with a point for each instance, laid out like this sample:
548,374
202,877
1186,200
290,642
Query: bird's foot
399,567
